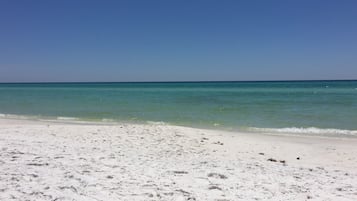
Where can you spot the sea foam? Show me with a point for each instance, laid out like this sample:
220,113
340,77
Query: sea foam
67,118
310,130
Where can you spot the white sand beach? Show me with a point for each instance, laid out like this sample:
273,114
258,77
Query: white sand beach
63,161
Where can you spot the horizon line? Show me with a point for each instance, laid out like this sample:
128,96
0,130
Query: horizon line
201,81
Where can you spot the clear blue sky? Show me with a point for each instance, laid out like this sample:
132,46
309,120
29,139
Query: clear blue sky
177,40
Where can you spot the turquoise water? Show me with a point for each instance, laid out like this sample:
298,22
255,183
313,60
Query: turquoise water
305,106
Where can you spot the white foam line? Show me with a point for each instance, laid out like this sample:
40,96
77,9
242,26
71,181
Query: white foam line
310,130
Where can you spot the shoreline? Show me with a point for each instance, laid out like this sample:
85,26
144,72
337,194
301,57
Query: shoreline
56,160
288,131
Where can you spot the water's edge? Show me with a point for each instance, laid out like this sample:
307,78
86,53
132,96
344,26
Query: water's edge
291,131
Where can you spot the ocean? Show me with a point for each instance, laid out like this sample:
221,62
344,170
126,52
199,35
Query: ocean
296,107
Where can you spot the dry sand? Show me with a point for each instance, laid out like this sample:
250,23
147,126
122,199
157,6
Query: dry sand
62,161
